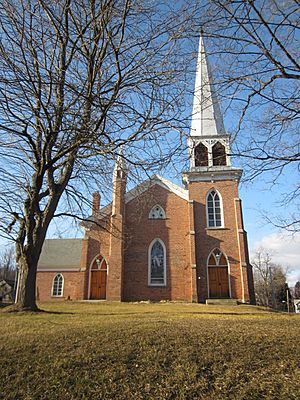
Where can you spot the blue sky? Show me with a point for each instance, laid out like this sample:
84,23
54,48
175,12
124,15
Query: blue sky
284,247
257,196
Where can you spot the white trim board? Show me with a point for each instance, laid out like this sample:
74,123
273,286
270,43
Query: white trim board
156,180
64,269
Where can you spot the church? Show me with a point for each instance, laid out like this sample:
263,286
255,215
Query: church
160,241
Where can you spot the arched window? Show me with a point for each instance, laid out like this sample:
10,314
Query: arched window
157,263
157,212
217,259
201,155
218,154
58,285
99,263
214,209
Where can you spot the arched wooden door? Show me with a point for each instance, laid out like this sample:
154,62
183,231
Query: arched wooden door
98,279
218,275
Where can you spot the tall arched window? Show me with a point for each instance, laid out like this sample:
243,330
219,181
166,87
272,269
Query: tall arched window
58,285
157,212
157,263
218,154
214,209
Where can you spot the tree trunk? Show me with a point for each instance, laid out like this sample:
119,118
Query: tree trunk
26,286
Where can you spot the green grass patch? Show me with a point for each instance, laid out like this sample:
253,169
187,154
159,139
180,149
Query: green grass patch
149,351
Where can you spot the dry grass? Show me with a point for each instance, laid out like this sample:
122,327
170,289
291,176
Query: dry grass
149,351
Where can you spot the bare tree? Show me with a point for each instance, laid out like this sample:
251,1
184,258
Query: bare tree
255,49
297,290
269,280
79,79
7,264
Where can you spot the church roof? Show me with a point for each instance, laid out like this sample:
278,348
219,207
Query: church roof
60,255
141,188
207,119
156,180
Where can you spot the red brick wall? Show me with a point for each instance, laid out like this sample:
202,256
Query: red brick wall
176,231
97,242
140,231
223,238
73,285
116,253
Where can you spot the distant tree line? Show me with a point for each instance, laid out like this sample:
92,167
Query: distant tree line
7,265
270,280
297,290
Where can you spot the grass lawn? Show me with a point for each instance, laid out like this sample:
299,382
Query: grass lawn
149,351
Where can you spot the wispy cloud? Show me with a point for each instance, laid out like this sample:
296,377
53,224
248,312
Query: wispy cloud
285,250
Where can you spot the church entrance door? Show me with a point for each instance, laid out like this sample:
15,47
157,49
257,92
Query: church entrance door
218,282
98,279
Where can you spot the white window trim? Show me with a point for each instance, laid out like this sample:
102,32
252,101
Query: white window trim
221,206
163,212
149,264
62,286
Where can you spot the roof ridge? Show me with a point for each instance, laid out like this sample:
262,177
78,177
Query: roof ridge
143,186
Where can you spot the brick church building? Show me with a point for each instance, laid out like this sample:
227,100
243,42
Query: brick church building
160,241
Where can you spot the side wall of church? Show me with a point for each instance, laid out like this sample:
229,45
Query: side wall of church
225,238
140,231
73,285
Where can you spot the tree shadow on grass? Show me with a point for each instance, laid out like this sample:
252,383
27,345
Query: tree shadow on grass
57,312
11,309
162,314
3,305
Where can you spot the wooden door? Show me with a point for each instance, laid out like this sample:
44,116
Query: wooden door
218,282
98,284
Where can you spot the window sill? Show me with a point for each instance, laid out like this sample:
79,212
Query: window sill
217,228
157,285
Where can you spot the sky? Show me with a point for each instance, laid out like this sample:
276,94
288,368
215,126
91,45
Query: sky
283,247
257,197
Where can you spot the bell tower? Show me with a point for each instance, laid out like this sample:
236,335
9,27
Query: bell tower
215,213
208,143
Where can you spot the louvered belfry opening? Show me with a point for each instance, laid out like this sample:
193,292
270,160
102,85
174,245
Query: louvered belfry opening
201,155
219,154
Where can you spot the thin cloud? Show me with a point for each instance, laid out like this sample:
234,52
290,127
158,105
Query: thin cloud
285,250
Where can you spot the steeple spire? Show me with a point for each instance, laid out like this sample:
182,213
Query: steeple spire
206,119
120,170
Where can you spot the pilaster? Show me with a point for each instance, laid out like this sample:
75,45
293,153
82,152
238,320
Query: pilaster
116,256
193,265
242,249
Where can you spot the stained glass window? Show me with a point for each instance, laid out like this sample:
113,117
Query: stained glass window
157,264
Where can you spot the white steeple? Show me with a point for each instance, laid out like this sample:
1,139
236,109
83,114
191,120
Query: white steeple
206,119
208,143
120,170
